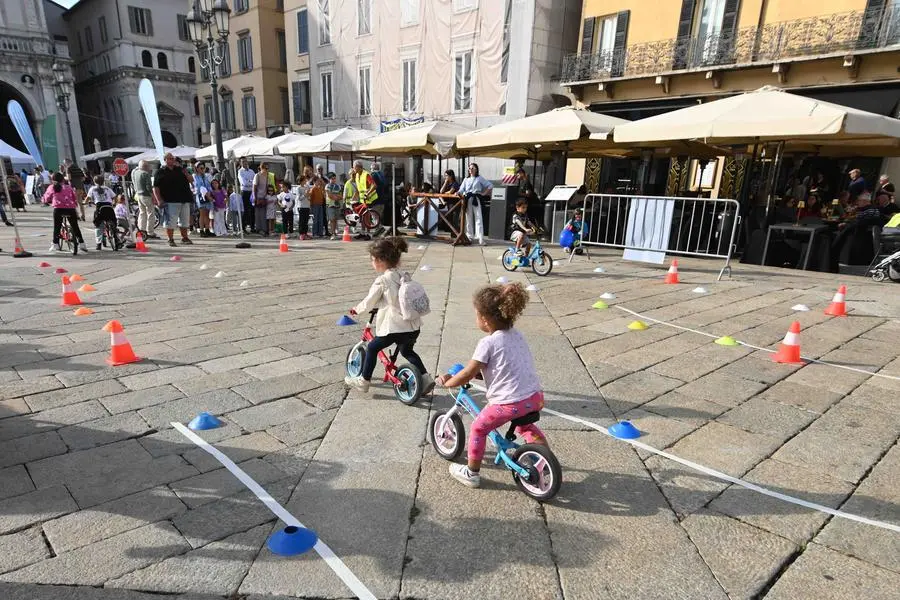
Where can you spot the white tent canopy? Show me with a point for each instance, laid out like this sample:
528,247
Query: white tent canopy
772,115
339,141
110,152
183,152
432,138
233,148
17,157
271,146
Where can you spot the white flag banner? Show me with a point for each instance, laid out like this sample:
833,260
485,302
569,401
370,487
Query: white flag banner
649,225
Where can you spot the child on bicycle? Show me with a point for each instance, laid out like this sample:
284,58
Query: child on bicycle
390,327
522,227
575,225
503,358
121,210
102,198
65,206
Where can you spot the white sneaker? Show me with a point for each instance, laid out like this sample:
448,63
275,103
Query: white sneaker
427,383
82,247
466,477
53,248
358,383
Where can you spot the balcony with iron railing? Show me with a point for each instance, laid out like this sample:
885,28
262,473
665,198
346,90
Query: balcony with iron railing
788,40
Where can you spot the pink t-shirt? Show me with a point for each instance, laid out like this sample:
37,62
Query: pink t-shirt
508,367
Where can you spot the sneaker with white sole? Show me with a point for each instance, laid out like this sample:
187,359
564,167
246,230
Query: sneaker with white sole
466,477
358,383
53,248
82,247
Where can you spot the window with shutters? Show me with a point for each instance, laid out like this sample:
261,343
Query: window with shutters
245,53
365,90
363,17
140,21
324,22
207,112
224,69
196,106
302,31
80,47
89,38
285,105
101,25
605,32
184,33
227,108
241,6
410,84
463,81
325,79
282,50
302,108
249,110
409,12
708,29
504,57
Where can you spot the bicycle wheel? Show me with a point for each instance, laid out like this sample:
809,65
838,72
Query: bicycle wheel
350,217
409,390
109,232
544,471
355,359
542,265
371,219
448,436
510,260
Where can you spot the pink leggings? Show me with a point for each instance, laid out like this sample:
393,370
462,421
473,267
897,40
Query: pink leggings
497,415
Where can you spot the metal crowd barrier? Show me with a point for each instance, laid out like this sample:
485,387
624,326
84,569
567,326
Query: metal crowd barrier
705,227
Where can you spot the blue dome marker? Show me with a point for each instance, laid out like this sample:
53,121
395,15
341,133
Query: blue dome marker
292,540
345,321
204,421
624,430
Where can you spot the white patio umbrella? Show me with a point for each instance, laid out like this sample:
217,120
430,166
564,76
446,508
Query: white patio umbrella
772,115
182,152
110,152
339,141
272,146
432,138
231,149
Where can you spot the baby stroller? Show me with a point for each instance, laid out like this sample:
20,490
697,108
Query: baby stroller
886,264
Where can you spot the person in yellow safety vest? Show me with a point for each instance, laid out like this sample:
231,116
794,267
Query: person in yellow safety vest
365,184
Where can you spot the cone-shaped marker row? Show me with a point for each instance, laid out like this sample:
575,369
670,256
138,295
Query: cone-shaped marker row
346,237
727,340
599,270
120,352
219,275
139,245
69,296
175,258
637,326
789,349
532,288
672,275
600,305
607,296
60,271
283,245
699,290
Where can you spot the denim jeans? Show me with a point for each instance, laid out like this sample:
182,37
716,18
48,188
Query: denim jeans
318,212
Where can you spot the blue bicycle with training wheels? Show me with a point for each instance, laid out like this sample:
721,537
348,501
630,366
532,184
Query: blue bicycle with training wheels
535,468
541,262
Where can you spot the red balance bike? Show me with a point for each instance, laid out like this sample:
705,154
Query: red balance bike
406,379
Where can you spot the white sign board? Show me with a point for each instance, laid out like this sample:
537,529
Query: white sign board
649,225
562,193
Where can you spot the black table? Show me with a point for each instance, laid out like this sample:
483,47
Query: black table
786,228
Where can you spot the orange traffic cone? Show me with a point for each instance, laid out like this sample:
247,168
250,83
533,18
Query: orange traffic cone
346,237
139,244
672,275
76,277
70,296
120,350
789,349
838,308
282,246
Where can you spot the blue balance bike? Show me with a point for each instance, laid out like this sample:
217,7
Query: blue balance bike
534,467
541,262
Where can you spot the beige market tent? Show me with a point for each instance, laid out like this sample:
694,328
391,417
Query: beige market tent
772,115
338,141
233,148
183,152
432,138
111,152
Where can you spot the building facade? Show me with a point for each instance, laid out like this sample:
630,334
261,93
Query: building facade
253,86
637,59
378,64
117,43
28,51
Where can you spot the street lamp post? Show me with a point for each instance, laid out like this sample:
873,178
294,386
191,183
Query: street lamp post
61,88
208,22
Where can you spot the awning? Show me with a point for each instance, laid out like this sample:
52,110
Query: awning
17,157
271,146
233,148
182,152
111,152
772,115
432,138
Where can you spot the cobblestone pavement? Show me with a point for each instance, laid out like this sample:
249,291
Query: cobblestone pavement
100,499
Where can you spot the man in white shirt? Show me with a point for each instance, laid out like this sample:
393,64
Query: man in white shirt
245,179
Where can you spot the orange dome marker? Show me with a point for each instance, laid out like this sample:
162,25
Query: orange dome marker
76,277
87,288
82,312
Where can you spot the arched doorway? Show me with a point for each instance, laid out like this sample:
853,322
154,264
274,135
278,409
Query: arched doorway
168,139
8,131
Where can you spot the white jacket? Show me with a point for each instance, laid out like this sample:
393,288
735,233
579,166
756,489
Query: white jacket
385,296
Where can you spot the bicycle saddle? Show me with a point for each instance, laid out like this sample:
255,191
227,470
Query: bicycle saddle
532,417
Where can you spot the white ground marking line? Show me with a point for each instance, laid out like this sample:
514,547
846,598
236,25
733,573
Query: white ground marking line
337,565
769,350
719,474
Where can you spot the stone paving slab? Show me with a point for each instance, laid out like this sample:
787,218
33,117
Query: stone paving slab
22,549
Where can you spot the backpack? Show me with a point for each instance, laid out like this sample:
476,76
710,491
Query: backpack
413,299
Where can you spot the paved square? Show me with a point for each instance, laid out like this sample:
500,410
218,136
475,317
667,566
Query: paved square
100,499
